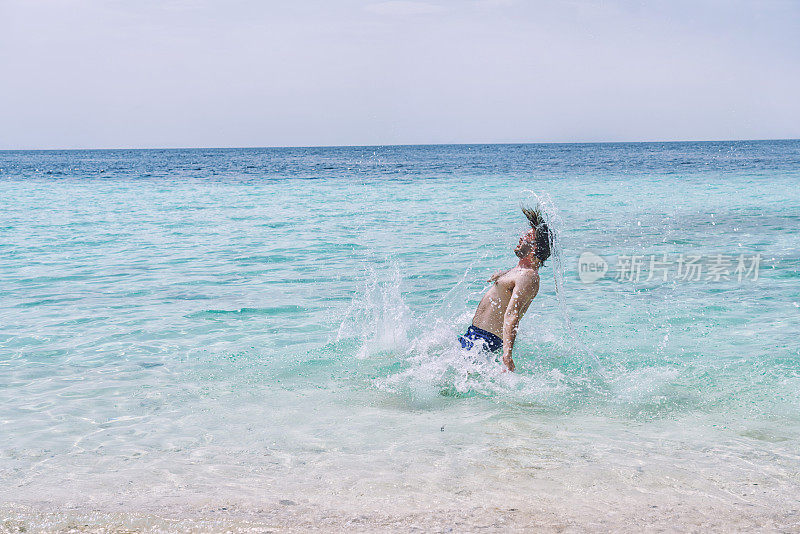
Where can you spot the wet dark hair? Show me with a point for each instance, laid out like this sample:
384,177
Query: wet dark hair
543,236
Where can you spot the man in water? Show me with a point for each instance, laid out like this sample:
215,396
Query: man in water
495,324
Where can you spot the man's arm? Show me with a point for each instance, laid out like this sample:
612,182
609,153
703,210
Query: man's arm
524,291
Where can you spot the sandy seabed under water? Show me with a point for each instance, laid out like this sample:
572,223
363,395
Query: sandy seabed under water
595,514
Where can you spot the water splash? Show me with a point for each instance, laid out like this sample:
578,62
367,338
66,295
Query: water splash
432,362
378,315
556,224
420,358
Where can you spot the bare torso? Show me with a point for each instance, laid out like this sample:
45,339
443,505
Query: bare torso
493,305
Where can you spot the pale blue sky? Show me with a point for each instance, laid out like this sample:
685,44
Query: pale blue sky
180,73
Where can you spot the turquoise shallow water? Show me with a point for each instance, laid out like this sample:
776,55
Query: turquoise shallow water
263,324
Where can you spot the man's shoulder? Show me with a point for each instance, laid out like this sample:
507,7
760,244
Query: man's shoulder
527,277
528,274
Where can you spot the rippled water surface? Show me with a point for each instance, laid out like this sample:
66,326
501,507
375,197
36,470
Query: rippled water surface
250,326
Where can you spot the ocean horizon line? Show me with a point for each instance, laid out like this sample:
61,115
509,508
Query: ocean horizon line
407,145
